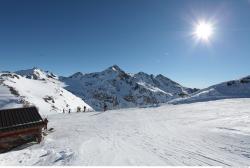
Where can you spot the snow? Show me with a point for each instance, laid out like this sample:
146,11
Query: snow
206,133
112,86
118,89
226,90
7,100
36,73
48,95
152,88
162,83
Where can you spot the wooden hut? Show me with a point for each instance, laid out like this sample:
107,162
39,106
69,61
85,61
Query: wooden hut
19,126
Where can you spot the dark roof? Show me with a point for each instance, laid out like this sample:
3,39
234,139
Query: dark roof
19,118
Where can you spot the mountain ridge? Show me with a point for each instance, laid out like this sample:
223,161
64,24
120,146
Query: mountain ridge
36,88
239,88
118,89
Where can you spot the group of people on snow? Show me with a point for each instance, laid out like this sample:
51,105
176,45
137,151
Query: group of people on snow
78,109
105,108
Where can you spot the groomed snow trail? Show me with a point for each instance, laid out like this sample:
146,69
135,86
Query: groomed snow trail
208,133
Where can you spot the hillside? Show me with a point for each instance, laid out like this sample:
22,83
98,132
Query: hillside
37,89
162,83
37,74
231,89
7,99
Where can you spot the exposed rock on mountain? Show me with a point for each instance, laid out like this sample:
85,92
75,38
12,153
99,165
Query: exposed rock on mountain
118,89
38,88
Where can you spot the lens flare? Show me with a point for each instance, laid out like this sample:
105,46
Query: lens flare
204,31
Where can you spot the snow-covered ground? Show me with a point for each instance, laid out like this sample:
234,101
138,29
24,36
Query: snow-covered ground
205,133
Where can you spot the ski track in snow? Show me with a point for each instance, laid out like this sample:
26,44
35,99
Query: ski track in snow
208,133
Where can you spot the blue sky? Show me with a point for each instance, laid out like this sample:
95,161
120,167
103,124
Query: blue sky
66,36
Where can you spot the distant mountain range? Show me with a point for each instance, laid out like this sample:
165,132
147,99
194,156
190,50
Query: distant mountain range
113,87
231,89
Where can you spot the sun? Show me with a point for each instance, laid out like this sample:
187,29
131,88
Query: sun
204,31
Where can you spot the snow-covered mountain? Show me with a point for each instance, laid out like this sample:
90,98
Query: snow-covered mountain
37,74
163,83
113,87
118,89
39,88
231,89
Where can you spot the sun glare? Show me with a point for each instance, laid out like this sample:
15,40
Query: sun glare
203,31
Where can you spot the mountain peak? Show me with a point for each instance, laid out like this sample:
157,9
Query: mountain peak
144,74
35,68
160,76
77,75
36,73
114,68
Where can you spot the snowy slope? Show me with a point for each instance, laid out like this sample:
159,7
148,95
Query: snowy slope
48,95
119,89
7,99
163,83
213,133
38,74
230,89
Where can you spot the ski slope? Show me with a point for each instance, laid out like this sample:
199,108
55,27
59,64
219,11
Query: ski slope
207,133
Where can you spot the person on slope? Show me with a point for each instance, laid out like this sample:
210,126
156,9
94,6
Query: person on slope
105,107
45,124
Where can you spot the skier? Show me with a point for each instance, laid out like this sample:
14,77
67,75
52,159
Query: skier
105,107
84,109
69,111
114,102
45,124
